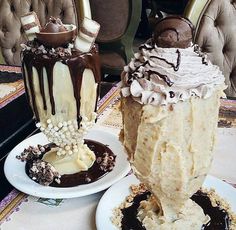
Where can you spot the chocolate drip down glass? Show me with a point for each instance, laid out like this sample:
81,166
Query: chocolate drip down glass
62,86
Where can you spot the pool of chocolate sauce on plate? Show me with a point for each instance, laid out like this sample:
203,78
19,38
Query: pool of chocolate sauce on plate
84,177
220,219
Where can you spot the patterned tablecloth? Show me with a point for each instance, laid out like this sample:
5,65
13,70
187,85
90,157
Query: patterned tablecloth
20,211
10,90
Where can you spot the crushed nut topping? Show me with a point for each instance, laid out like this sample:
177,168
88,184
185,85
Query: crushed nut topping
35,47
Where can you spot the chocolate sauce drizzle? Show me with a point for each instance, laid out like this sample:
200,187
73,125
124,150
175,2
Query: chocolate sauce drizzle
40,75
165,78
220,219
178,60
175,67
77,63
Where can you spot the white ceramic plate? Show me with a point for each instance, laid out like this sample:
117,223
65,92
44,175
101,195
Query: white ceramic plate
120,190
223,165
15,169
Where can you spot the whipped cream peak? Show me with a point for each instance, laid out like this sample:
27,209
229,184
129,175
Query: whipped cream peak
167,75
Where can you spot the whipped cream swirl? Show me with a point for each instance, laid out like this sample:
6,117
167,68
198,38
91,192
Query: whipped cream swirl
159,76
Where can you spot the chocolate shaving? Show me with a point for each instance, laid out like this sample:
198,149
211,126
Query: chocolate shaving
201,54
172,94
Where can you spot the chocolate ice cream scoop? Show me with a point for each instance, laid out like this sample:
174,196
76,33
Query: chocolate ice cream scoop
54,25
173,31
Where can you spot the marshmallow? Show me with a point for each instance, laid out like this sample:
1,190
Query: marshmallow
30,24
60,124
38,125
66,134
87,35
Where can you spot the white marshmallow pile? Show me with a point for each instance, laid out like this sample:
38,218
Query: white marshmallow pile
87,34
31,25
67,135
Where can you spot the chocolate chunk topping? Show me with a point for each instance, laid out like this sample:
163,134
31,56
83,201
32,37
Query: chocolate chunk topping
43,172
106,162
31,153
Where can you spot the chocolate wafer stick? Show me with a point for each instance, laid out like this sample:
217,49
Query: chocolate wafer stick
30,24
87,35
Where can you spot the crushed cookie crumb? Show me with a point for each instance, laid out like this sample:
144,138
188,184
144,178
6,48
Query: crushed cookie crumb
43,172
106,162
31,153
40,171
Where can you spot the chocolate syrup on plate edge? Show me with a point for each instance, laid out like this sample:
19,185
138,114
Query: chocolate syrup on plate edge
219,217
84,177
